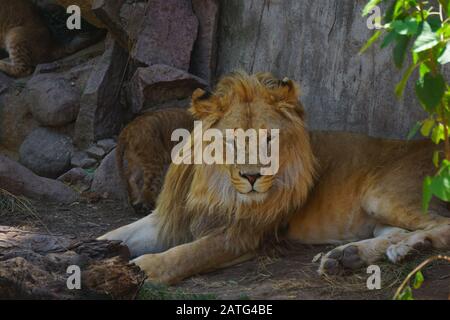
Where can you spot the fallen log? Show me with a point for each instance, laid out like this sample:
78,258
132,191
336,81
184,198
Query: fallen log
40,266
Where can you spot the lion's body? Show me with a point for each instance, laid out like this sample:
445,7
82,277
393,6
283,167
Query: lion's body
350,166
330,188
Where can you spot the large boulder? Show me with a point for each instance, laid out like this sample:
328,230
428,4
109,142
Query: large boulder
107,181
203,61
101,112
16,121
46,152
157,84
54,99
5,82
20,181
21,111
167,35
108,12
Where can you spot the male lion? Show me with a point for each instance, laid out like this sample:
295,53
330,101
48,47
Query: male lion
331,188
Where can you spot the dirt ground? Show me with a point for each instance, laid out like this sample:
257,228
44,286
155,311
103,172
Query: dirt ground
289,274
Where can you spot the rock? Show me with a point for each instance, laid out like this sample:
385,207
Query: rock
5,82
107,181
161,83
89,163
96,152
78,178
107,144
46,152
77,158
203,60
81,159
101,112
317,44
167,35
108,12
54,100
16,121
20,181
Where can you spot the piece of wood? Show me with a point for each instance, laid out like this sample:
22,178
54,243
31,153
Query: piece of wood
34,266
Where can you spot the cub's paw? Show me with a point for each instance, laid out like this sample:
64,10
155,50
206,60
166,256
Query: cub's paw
341,259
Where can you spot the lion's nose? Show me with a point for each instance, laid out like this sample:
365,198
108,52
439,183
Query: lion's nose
251,177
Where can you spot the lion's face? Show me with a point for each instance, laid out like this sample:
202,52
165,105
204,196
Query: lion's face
247,178
253,102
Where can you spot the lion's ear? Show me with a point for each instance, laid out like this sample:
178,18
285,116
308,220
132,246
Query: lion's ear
287,95
287,91
203,104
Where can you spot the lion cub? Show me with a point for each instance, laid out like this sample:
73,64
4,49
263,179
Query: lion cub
27,39
143,154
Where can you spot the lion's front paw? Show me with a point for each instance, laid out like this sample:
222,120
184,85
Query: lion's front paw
338,260
154,268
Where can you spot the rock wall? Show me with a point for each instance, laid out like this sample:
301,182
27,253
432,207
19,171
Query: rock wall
317,43
62,121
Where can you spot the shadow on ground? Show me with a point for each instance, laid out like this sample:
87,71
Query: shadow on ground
288,274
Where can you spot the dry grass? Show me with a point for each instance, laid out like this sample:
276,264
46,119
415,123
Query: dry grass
11,204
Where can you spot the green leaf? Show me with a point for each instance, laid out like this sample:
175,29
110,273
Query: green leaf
369,6
412,133
427,125
445,56
406,294
369,43
391,36
409,26
400,50
438,134
418,280
436,158
434,22
430,89
440,187
424,69
400,87
426,193
427,39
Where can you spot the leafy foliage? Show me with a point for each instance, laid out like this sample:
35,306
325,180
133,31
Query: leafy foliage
423,31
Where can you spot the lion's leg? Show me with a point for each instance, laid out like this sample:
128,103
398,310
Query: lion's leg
410,231
19,53
140,237
202,255
357,254
401,211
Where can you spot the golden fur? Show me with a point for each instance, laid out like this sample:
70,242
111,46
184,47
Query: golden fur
330,188
143,153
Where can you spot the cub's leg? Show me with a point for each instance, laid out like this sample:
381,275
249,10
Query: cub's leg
180,262
140,237
20,54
